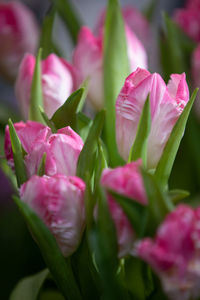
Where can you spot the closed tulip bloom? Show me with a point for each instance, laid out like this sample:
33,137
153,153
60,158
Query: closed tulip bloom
126,181
88,60
19,33
58,79
166,102
62,148
30,134
135,20
188,20
59,202
174,253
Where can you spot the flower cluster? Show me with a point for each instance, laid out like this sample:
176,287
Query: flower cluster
69,176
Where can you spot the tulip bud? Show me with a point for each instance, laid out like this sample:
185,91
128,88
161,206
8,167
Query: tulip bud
166,102
174,253
126,181
30,134
57,83
88,59
188,19
196,74
59,202
19,34
62,148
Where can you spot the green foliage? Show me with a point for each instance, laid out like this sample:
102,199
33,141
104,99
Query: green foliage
29,287
36,98
166,161
139,148
87,157
66,114
18,156
58,266
116,68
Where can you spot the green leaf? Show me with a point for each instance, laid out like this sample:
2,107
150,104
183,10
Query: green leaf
85,271
41,168
139,148
58,266
46,37
17,150
176,49
166,161
36,97
116,69
138,278
29,287
177,195
66,10
150,9
46,120
87,157
135,212
83,125
103,242
159,205
66,114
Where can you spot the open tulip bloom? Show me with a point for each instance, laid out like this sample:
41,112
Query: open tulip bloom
95,191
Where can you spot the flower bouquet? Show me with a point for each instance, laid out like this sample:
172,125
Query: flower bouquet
99,191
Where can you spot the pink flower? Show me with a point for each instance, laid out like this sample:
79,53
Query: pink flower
19,33
188,20
137,23
62,148
166,102
58,78
196,73
174,253
88,59
30,134
59,202
126,181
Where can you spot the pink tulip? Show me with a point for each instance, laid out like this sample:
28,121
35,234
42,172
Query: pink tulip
58,78
174,253
19,34
62,148
188,20
59,202
135,21
166,102
30,134
88,59
196,74
126,181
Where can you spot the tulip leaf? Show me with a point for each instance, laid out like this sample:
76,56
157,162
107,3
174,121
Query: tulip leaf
29,287
135,211
83,125
66,10
139,148
176,49
103,243
18,156
166,161
36,97
138,278
159,205
177,195
59,267
46,37
87,157
66,114
41,168
47,122
116,68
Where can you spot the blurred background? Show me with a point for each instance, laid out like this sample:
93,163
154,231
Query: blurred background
19,255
